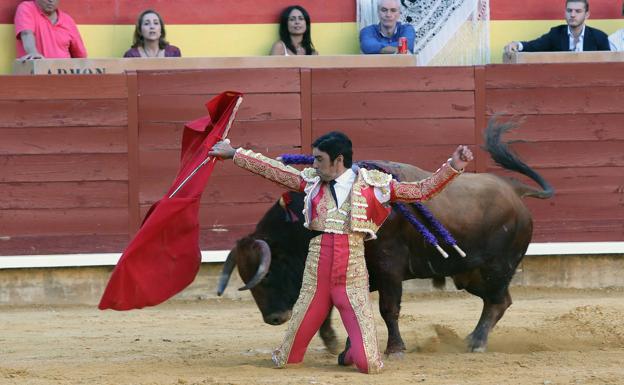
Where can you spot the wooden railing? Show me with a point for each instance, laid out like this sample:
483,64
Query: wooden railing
563,57
116,66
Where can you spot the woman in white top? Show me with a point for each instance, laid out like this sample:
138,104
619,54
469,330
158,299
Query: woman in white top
295,33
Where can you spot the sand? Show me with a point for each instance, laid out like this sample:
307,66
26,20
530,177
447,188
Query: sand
548,336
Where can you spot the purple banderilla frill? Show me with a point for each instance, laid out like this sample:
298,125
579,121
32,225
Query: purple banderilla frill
438,228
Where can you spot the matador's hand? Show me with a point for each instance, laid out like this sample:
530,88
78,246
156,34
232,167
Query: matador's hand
223,150
461,157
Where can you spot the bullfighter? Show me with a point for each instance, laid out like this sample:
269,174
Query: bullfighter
346,206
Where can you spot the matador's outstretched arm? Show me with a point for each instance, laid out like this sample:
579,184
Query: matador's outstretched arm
257,163
427,188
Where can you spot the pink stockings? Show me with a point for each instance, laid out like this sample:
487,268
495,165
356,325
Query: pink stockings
335,275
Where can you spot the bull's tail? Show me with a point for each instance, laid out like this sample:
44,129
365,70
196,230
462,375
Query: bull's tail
506,158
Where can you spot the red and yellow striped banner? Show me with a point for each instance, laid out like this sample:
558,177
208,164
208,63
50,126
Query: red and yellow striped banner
249,27
109,12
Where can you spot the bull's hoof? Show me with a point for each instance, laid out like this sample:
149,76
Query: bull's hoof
475,345
395,350
332,346
331,342
477,349
395,356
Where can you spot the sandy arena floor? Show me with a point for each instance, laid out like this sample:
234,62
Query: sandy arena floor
548,336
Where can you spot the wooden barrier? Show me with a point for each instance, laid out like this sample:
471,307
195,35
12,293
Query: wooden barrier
116,65
415,116
269,120
83,157
572,133
64,178
563,57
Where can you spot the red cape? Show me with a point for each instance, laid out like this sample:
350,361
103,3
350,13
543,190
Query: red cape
164,257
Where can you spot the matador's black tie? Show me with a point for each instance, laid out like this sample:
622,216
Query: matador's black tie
332,183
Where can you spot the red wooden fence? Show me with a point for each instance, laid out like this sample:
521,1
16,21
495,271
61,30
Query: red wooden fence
573,134
83,157
63,164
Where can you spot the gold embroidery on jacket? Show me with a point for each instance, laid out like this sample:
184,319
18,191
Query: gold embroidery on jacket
306,295
353,210
271,169
376,178
426,188
329,218
368,227
309,174
359,297
359,220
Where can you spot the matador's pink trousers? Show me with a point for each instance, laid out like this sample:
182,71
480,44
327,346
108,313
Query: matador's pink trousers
335,274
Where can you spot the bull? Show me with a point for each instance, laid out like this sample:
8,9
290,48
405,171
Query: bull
489,221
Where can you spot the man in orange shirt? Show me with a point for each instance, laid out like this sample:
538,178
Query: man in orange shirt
44,31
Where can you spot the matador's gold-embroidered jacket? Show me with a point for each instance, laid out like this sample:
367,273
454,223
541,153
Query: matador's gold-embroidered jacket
363,212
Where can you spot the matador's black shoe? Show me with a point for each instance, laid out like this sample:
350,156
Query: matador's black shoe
343,355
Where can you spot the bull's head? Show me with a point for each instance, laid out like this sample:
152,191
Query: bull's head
270,262
253,249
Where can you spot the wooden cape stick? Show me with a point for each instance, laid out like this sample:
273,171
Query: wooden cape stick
210,158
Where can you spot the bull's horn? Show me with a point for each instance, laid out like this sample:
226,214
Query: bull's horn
226,273
263,268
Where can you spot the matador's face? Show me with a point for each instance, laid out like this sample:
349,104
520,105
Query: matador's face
325,168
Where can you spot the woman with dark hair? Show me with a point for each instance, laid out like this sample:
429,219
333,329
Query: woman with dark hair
295,34
149,38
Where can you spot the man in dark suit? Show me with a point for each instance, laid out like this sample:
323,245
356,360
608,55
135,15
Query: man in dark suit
575,36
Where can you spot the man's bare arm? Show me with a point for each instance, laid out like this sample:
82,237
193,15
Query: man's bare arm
28,42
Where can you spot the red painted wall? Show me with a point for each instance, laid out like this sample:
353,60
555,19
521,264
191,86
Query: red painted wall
254,11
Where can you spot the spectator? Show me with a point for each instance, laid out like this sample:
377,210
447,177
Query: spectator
575,36
295,33
44,31
149,38
617,39
384,37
